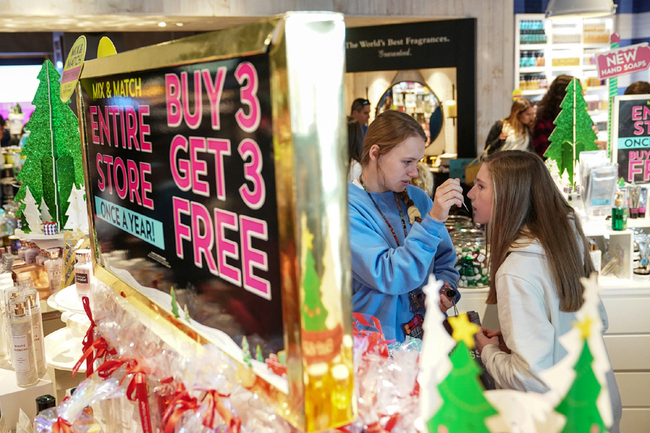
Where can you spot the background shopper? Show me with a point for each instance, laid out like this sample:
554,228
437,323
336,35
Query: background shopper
361,111
513,132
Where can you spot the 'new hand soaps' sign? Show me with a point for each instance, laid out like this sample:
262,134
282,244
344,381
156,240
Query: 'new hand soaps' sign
621,61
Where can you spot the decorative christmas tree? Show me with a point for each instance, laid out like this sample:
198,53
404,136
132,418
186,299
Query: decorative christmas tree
187,313
579,405
53,150
174,304
31,213
258,354
573,133
72,213
247,352
77,212
314,312
45,213
464,408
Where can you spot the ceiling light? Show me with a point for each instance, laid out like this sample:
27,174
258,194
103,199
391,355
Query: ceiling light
162,24
580,8
179,24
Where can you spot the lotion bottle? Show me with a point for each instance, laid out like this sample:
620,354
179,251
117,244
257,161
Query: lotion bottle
37,330
53,265
83,271
22,343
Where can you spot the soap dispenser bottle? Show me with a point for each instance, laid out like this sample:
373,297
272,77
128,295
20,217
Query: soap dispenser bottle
619,214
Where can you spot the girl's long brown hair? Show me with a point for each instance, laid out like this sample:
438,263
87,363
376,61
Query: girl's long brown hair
388,130
518,107
549,106
527,203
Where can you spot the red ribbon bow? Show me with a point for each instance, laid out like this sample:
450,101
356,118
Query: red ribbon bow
103,349
137,387
368,326
88,338
61,426
181,403
215,404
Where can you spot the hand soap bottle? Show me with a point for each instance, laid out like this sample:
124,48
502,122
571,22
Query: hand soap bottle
619,214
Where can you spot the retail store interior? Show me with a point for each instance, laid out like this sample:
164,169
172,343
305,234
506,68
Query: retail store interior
175,200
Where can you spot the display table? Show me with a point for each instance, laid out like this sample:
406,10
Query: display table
63,346
13,398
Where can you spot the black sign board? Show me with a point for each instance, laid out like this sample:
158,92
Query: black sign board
182,176
632,137
434,44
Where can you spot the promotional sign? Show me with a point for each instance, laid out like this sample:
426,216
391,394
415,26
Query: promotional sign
631,138
72,69
625,60
218,201
182,174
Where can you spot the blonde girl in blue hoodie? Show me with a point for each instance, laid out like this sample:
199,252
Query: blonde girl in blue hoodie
397,234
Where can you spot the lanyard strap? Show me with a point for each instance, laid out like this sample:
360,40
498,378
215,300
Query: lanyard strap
399,206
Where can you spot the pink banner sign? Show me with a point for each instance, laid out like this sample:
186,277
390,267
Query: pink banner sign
625,60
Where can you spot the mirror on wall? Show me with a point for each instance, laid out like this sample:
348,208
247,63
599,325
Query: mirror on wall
418,100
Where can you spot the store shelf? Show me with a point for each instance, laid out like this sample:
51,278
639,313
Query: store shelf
565,68
595,88
633,223
532,69
534,92
554,50
532,47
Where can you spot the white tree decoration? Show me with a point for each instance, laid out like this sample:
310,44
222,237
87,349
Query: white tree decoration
434,360
83,209
77,212
72,213
32,214
45,212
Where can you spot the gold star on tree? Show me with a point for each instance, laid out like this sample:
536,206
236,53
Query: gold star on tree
585,327
464,330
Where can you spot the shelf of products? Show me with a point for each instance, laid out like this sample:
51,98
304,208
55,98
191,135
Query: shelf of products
548,48
418,100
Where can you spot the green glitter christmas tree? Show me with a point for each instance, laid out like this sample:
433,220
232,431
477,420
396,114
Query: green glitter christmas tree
174,304
464,408
573,133
314,312
53,150
579,405
258,354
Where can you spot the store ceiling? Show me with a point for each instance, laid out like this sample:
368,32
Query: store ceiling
148,23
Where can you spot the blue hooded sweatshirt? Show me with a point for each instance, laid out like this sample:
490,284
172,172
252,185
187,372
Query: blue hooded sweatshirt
383,273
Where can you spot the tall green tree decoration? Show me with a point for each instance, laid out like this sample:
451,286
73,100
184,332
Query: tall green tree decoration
573,133
464,408
579,405
314,312
53,150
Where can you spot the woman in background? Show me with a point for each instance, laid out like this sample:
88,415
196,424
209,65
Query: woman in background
355,148
513,132
424,179
638,88
547,110
398,236
538,255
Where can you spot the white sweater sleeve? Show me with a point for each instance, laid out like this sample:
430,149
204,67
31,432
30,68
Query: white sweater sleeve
527,332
